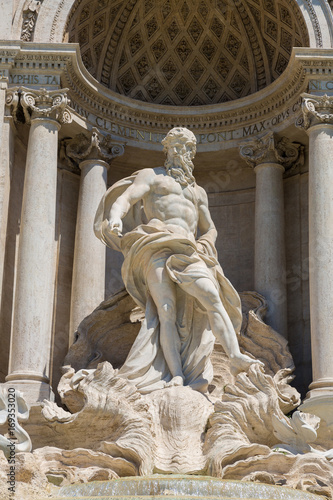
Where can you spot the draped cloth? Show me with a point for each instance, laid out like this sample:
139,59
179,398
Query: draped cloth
143,243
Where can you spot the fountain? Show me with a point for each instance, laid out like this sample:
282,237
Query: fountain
179,487
155,407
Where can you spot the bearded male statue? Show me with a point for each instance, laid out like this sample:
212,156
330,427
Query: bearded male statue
154,218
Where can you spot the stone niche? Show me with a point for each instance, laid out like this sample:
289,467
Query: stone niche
187,53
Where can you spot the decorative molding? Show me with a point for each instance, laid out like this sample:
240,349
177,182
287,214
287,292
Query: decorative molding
253,38
107,66
316,109
30,14
93,146
267,149
55,20
315,23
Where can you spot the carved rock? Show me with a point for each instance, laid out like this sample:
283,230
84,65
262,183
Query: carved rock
230,433
179,419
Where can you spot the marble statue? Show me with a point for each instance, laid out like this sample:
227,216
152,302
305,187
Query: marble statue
159,219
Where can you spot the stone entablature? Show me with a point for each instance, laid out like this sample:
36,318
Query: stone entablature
143,125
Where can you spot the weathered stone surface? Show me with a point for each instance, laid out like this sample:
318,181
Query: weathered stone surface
111,430
179,419
107,334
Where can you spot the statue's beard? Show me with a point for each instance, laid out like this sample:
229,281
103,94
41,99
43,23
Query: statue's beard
180,168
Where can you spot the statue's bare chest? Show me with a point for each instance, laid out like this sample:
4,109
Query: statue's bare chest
167,186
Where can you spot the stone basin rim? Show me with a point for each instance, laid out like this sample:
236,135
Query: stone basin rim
87,491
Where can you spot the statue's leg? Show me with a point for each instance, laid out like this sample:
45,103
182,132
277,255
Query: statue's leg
204,290
163,293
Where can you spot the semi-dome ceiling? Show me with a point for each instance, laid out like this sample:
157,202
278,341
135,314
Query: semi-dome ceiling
186,52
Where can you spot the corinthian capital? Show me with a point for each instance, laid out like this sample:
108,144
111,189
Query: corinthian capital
316,109
92,145
268,149
45,104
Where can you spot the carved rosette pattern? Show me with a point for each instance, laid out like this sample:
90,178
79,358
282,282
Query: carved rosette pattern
316,109
267,149
93,146
187,52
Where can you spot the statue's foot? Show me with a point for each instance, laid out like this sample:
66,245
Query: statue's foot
175,381
242,363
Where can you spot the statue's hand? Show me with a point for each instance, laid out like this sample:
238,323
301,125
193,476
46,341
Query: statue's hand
116,226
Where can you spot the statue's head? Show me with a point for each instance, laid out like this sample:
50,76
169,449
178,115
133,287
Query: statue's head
180,148
180,136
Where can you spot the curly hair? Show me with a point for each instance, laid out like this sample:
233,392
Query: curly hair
182,134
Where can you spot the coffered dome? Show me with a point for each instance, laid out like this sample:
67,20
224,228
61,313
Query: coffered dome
186,52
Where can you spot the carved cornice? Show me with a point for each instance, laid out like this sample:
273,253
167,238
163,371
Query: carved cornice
316,110
267,149
272,108
86,146
39,104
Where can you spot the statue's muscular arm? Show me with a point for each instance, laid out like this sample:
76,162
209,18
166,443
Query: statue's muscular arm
135,192
206,225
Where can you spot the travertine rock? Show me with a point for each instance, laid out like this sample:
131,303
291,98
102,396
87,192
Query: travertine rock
112,430
107,334
241,425
304,472
179,419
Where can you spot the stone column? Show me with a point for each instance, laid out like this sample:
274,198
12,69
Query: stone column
93,153
34,292
318,121
269,159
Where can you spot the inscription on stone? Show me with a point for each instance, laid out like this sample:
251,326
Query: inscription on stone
142,135
20,79
320,85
